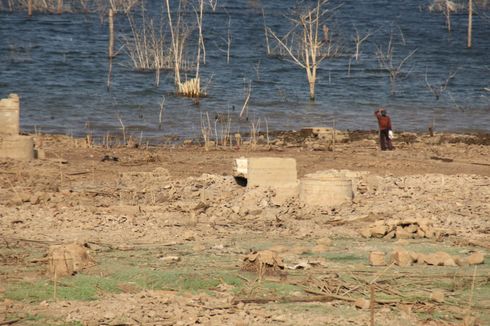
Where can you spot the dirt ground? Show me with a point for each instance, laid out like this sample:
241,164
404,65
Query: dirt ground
168,227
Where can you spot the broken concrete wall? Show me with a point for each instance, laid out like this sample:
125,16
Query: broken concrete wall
9,115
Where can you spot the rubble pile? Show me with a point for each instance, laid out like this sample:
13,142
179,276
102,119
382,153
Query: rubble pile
402,229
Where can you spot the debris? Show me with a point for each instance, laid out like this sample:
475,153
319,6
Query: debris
264,262
401,229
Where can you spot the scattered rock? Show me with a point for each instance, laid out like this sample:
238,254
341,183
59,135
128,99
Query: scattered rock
362,304
476,258
437,296
377,258
402,258
68,259
170,259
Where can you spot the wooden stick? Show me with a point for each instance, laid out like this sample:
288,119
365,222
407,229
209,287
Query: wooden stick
29,9
371,305
10,322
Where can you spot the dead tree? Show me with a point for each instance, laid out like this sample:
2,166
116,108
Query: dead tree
358,39
304,44
439,88
389,63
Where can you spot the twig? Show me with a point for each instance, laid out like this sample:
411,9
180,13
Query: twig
10,322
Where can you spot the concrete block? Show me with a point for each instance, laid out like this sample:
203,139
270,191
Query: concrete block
9,115
271,172
17,147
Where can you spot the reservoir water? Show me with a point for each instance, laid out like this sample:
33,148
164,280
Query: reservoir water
58,65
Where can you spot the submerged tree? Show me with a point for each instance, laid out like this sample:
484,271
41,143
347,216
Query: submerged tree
392,64
309,41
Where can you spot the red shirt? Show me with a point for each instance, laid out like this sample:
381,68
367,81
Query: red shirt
383,121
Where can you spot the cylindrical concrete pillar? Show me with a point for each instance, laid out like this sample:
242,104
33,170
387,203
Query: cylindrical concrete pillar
325,191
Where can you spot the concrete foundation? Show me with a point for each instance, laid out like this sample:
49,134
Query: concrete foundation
17,147
9,115
325,190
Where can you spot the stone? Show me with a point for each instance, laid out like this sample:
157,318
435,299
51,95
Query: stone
401,233
402,258
439,259
378,231
365,232
68,259
362,304
377,258
461,262
476,258
437,296
390,235
412,228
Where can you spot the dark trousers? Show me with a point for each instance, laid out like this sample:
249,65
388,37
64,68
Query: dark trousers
385,141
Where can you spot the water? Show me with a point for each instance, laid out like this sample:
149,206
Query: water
58,65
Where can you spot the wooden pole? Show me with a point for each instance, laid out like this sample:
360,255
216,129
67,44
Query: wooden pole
111,47
470,21
29,9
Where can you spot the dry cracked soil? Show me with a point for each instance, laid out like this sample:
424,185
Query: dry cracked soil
167,230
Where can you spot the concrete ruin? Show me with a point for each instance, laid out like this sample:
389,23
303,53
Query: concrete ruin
13,145
9,115
324,189
276,173
16,147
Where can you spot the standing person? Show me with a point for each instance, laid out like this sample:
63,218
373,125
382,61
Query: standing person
384,123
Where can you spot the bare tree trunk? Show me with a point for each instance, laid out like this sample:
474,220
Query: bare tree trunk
175,46
470,21
448,17
29,9
60,7
111,47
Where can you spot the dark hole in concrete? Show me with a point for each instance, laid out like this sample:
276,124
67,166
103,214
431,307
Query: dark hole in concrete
241,181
